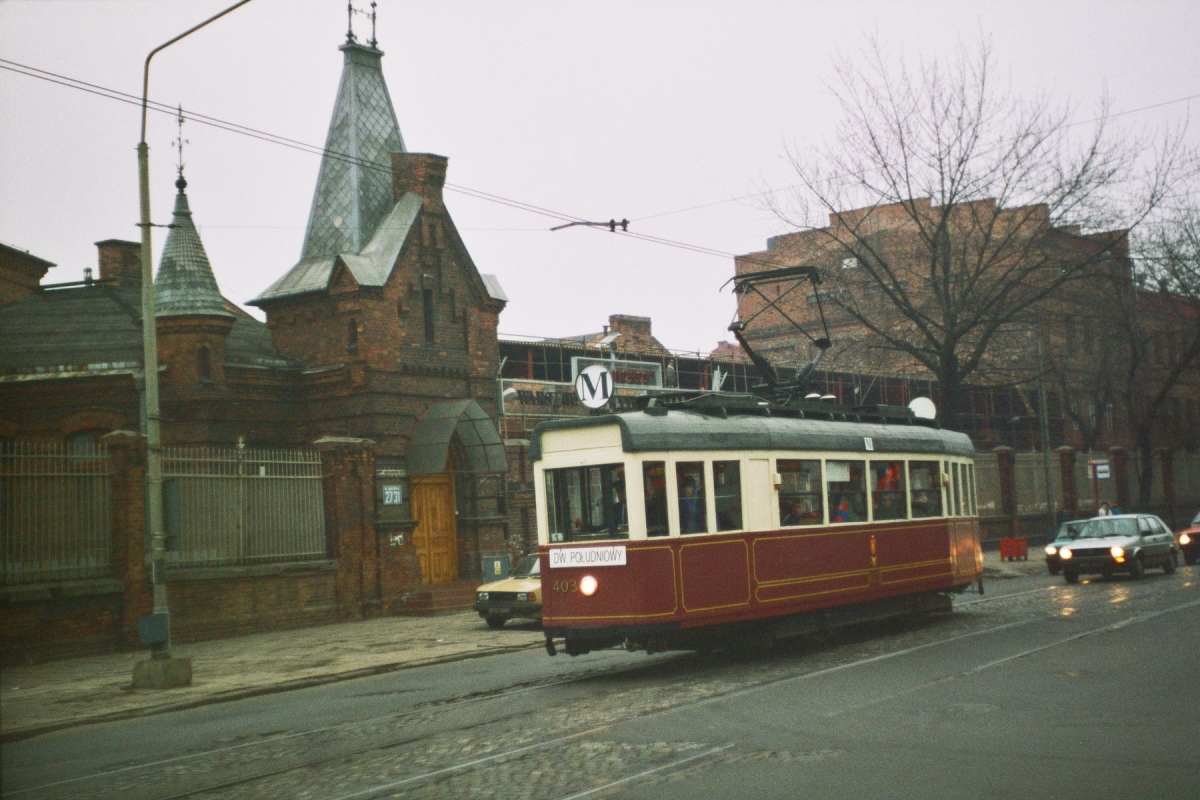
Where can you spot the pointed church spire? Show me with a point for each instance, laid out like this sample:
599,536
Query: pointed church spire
185,285
354,189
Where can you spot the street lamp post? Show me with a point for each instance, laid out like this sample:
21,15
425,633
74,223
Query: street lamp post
155,630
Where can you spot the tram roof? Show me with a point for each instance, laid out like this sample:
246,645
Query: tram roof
690,430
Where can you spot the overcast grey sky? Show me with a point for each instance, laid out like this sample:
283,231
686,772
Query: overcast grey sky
597,110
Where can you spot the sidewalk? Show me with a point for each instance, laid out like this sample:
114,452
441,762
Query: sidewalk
78,691
61,694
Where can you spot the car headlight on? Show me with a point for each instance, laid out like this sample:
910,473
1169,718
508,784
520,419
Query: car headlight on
588,585
483,595
1117,552
1051,549
1185,538
522,596
1064,553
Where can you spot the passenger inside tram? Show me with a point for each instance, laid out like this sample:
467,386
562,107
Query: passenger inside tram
692,516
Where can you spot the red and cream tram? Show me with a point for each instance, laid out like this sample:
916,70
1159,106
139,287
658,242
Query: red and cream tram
690,527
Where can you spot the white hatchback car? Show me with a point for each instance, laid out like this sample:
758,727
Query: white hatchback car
1123,543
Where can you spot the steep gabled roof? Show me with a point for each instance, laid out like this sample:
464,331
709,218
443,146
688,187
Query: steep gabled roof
371,267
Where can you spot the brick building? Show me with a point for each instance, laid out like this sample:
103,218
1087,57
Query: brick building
381,339
1064,352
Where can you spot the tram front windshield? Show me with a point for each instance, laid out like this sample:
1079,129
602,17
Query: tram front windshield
587,503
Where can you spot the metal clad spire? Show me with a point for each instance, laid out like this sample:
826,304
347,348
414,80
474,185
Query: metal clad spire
354,188
185,284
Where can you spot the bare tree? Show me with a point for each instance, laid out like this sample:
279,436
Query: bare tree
1162,333
956,208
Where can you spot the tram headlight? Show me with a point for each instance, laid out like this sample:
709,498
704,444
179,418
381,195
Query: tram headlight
1117,552
1185,538
588,585
1064,553
1051,549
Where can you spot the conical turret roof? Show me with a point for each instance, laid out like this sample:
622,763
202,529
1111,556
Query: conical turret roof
185,284
354,190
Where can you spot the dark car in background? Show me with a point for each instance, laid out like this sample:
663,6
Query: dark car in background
1189,541
1066,533
1121,543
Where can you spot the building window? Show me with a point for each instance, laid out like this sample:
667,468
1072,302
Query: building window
82,444
427,303
204,364
850,263
352,336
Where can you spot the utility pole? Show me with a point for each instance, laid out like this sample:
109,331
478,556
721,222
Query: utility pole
161,671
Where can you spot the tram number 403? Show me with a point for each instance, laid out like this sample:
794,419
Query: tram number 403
565,586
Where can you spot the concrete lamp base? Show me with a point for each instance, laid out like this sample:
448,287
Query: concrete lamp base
162,672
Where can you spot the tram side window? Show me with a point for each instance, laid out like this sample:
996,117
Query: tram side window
847,490
956,477
950,504
727,492
587,503
689,482
971,490
887,499
800,493
654,483
925,477
964,503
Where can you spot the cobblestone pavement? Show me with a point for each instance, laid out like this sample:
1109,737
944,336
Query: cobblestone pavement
567,739
82,690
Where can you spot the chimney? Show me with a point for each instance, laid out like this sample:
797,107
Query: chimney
121,261
632,328
423,174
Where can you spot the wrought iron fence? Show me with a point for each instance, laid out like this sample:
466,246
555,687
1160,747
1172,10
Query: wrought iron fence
242,506
55,518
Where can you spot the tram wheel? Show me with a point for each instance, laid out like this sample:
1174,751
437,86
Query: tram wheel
495,623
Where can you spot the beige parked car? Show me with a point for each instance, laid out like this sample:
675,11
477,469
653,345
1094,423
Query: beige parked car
518,595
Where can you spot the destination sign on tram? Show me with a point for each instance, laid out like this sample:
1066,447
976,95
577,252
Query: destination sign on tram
588,557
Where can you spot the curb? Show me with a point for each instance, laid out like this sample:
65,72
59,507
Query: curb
241,694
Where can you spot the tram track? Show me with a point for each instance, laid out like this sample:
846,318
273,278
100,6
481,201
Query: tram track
443,705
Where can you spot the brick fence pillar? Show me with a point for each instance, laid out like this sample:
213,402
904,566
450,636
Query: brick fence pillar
348,473
1006,462
1070,492
1120,476
128,464
1166,464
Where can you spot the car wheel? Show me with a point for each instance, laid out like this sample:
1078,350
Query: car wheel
1055,570
1190,557
495,622
1171,564
1071,576
1137,568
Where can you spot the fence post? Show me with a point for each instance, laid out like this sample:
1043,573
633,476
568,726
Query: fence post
1120,472
1166,464
1070,492
1006,465
127,454
348,479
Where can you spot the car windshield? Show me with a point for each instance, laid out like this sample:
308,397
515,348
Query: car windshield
1196,519
1070,530
1105,528
530,567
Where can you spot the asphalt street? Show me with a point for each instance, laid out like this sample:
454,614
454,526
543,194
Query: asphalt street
1035,689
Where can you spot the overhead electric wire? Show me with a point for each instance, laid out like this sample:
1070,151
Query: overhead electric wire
233,127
